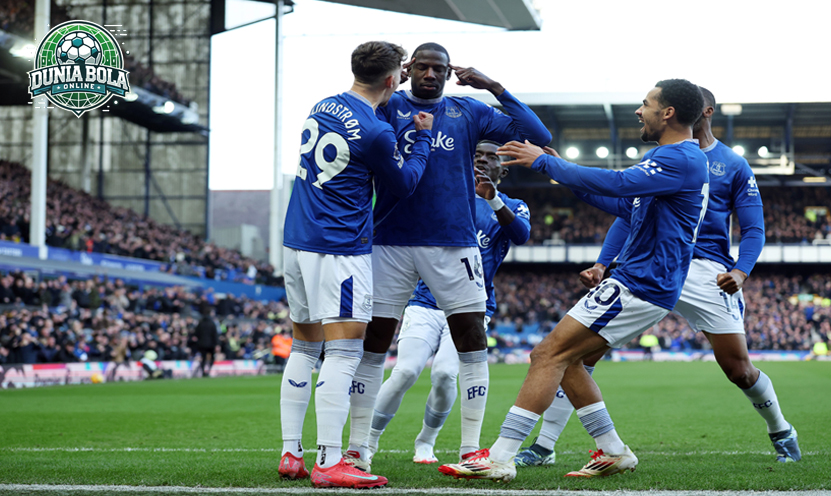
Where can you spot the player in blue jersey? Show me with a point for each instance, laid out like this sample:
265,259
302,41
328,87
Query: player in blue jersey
431,235
712,300
670,190
500,222
327,246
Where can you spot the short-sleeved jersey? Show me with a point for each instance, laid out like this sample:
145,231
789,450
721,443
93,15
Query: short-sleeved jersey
440,212
665,199
493,244
344,147
732,185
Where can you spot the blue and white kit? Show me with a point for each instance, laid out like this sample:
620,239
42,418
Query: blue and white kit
440,213
732,188
328,230
664,197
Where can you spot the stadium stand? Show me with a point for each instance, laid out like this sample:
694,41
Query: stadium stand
792,215
80,222
105,320
785,311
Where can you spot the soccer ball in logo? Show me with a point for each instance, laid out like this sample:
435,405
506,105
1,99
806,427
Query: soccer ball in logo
78,48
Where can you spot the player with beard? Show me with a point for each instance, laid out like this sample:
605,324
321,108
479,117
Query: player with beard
431,234
328,240
670,188
712,300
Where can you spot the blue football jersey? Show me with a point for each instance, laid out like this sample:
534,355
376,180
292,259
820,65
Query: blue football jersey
344,148
664,197
440,212
494,241
732,186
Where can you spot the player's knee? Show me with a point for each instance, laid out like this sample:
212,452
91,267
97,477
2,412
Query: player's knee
443,379
404,377
742,374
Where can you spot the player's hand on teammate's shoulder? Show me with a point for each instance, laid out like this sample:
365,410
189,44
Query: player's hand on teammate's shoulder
592,276
405,71
550,151
484,185
423,120
468,76
523,154
731,282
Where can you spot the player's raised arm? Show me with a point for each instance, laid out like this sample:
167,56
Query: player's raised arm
521,123
401,176
653,177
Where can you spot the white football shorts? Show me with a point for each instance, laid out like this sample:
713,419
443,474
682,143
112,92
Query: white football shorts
705,306
328,288
613,312
428,325
453,274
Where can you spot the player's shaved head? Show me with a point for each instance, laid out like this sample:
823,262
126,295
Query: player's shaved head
373,61
709,99
435,47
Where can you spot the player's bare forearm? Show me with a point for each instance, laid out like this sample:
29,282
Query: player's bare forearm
505,216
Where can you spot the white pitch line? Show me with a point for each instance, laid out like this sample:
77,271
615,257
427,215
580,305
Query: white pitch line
273,450
430,490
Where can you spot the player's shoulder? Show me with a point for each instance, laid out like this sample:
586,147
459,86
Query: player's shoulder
681,155
729,157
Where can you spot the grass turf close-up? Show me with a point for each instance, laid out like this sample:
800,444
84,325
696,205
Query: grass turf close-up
690,428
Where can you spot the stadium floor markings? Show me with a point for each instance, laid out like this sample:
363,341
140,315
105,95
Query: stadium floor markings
274,450
432,490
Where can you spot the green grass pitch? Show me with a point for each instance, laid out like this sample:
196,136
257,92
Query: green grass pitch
690,427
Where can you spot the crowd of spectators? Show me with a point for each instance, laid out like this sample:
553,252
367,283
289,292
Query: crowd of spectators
557,216
78,221
18,17
105,320
784,311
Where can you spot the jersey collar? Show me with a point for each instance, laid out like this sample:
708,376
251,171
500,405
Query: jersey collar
359,97
710,148
423,101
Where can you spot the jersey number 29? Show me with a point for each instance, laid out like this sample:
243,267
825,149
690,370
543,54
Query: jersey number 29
328,169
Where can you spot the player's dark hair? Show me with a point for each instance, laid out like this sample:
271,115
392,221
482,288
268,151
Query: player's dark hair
684,97
709,99
489,142
434,47
375,60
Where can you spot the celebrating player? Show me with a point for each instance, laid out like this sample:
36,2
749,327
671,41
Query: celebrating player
711,300
431,234
670,186
500,221
328,241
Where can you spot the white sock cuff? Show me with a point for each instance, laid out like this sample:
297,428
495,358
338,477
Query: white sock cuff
311,348
524,413
347,348
375,359
473,356
594,407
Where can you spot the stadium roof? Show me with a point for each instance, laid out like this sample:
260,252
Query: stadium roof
508,14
